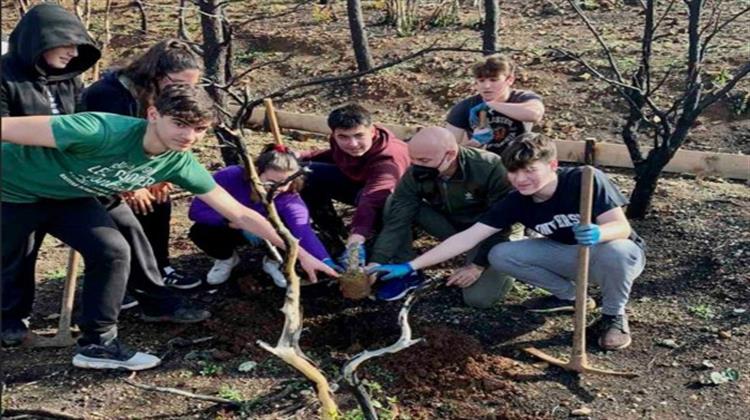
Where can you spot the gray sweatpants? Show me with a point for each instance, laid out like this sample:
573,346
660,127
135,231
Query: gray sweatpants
553,266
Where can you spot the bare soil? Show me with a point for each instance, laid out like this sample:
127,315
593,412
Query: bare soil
686,309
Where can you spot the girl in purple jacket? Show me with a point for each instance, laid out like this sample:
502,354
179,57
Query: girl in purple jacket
212,234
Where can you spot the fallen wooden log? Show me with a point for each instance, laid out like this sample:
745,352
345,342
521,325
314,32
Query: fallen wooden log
725,165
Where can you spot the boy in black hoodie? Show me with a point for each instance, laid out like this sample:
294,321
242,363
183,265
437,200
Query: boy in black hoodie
48,51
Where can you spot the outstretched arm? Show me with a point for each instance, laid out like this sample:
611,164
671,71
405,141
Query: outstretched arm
247,219
455,245
28,131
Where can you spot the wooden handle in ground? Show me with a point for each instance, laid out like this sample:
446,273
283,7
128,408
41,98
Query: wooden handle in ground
272,121
69,291
582,277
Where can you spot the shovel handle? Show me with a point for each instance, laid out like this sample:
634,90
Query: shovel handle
582,277
272,121
69,290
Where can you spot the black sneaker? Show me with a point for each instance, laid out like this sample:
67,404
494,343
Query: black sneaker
553,304
113,355
183,314
13,332
128,302
177,280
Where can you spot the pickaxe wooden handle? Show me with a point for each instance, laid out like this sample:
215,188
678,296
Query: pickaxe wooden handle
63,337
578,360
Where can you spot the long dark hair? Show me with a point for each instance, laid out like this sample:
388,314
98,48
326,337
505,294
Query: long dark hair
168,56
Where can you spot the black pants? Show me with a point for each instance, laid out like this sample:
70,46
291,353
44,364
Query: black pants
145,282
156,227
84,225
323,185
217,242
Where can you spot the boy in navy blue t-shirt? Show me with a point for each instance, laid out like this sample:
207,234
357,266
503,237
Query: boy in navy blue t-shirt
547,200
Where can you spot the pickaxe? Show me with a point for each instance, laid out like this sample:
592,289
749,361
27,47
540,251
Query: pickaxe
63,337
578,360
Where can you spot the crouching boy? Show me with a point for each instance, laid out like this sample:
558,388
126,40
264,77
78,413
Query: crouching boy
546,200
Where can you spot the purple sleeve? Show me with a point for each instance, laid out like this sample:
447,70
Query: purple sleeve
296,217
231,179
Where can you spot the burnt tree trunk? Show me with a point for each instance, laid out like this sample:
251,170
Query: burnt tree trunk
359,36
491,26
216,59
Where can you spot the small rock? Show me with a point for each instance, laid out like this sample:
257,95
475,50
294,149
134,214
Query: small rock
636,399
583,77
52,316
693,397
221,354
580,412
668,343
706,364
738,311
725,334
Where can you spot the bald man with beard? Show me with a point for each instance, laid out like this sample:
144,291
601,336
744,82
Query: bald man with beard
446,189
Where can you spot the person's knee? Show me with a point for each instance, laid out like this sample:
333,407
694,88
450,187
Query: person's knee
616,256
476,299
502,258
111,250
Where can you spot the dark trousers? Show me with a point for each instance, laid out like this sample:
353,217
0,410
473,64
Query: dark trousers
145,282
84,225
323,185
156,227
217,242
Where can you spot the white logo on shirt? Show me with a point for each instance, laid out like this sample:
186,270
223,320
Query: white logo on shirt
558,221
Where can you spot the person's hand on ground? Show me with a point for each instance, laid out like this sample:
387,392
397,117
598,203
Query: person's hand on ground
391,271
311,265
465,276
140,201
587,235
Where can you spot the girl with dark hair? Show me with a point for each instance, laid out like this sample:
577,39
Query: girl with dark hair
130,90
279,170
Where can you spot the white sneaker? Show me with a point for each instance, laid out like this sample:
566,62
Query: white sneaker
273,269
222,269
113,356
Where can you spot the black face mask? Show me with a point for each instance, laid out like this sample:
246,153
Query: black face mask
424,173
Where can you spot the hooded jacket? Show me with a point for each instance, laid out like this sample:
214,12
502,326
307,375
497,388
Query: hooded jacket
378,171
26,78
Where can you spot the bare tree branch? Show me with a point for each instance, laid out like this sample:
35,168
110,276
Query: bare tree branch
605,47
663,16
341,78
593,71
180,392
719,28
739,73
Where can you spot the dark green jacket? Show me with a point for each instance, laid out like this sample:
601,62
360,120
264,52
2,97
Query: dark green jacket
479,181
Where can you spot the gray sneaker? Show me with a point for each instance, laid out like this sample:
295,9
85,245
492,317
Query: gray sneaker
614,332
113,355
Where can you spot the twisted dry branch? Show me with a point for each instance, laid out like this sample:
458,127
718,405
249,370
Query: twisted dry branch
349,373
287,348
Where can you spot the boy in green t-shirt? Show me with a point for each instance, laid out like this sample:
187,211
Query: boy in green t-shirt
53,167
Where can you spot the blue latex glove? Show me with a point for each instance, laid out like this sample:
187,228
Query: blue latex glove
483,136
252,239
474,113
587,235
343,259
331,263
391,271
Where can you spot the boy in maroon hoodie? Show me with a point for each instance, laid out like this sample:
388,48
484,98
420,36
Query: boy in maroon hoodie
361,168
